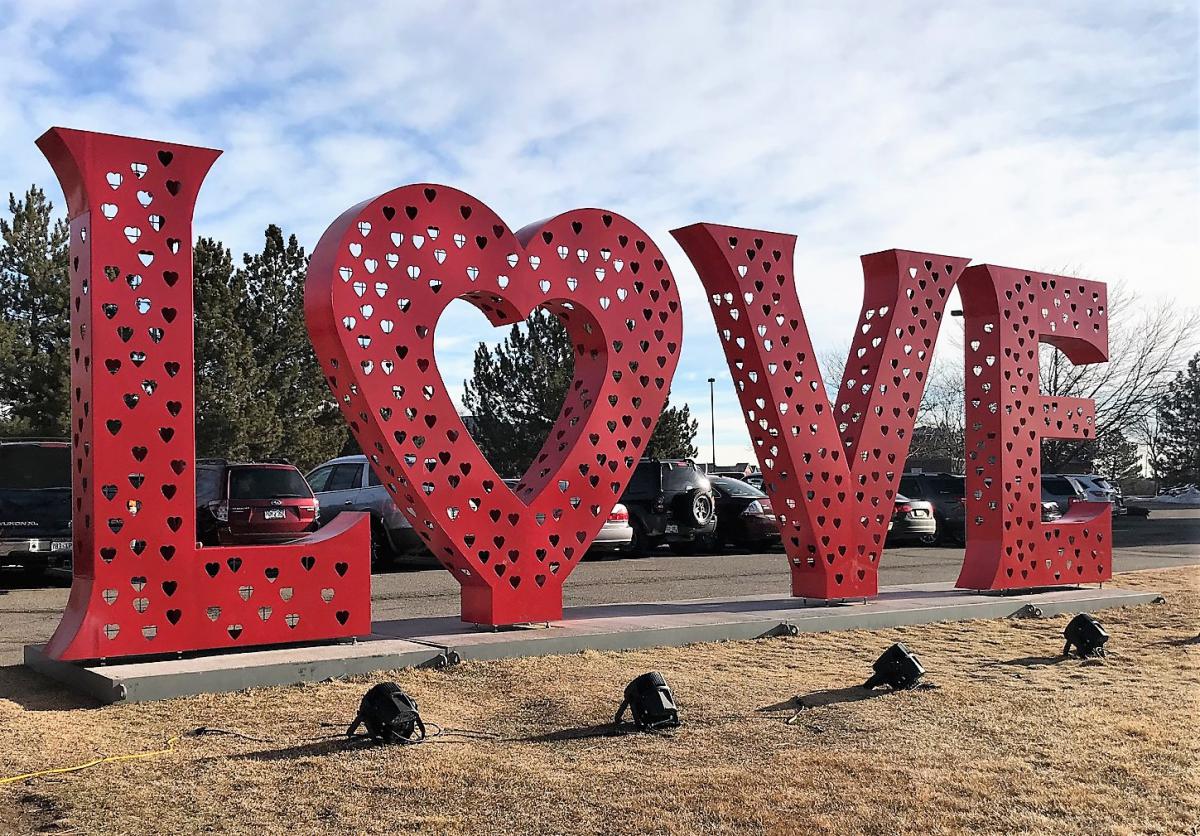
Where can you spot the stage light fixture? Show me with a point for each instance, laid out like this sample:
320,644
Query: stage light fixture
1086,635
898,667
649,699
390,716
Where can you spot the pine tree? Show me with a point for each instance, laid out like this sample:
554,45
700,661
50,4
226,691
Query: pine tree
234,407
1179,427
517,389
308,427
35,323
259,390
1117,458
675,435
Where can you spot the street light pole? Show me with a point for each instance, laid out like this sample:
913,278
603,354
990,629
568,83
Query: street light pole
712,420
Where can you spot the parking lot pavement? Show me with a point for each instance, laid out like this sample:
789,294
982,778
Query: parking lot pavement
1168,538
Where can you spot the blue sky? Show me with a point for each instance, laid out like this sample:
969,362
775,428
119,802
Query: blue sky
1054,136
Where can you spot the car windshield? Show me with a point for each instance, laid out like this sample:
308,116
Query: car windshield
1058,486
950,485
681,476
267,483
34,467
736,487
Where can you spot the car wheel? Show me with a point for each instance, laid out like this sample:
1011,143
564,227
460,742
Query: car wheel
639,546
381,551
696,508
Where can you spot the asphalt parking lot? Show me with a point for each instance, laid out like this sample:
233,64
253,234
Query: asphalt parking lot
1168,538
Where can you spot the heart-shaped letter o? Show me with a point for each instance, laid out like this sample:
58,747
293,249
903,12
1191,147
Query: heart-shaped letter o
378,282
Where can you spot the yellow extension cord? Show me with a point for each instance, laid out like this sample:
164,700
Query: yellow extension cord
110,759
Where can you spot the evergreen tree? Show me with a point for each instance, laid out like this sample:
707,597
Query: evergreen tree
1178,459
35,323
675,435
260,392
234,406
516,391
1117,458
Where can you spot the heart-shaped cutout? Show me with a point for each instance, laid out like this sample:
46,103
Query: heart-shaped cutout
503,274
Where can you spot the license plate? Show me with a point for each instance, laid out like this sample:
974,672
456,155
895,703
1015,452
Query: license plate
274,514
60,546
920,513
672,529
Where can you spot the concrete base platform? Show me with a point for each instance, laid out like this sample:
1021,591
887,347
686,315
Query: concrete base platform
441,641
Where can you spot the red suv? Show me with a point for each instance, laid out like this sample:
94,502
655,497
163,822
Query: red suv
241,503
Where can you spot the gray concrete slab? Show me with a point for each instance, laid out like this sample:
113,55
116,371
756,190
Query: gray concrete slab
440,640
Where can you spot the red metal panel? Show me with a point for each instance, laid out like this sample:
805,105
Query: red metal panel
141,584
378,283
1008,312
832,472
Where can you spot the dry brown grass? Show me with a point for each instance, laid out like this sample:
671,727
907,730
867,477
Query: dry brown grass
1011,740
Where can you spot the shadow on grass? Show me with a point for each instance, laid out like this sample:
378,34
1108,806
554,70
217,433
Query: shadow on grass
310,749
1037,661
579,733
34,692
829,696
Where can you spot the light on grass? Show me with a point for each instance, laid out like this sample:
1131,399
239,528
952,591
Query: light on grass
1086,635
649,699
898,667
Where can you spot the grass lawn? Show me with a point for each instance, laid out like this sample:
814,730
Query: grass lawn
1011,739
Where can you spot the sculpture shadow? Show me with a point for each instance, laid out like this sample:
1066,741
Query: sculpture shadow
34,692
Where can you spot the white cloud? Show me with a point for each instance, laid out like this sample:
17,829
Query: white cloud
1031,134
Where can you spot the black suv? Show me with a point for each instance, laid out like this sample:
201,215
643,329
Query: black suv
669,501
945,491
35,504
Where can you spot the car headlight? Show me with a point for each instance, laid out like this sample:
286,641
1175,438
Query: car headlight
755,507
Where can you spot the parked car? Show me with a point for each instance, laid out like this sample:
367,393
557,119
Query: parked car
35,504
946,493
744,517
1098,489
348,483
241,503
670,501
615,536
912,519
1050,512
1062,491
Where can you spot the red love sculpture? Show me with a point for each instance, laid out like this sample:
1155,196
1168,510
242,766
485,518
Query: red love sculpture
141,585
1007,314
379,280
832,472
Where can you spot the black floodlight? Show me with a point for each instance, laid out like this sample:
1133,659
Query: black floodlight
1086,635
390,716
898,667
651,702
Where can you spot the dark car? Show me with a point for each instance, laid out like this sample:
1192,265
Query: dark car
912,519
945,492
1061,490
670,501
744,516
244,503
35,504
